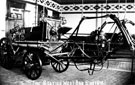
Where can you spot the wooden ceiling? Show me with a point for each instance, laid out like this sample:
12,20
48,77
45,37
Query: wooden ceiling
92,1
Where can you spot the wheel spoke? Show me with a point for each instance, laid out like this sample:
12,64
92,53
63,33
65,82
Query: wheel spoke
54,63
3,61
37,66
32,63
63,63
32,73
57,65
62,66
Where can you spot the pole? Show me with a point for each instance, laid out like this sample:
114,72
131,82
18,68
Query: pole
43,23
4,27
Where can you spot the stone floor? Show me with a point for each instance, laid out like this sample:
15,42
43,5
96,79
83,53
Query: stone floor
118,73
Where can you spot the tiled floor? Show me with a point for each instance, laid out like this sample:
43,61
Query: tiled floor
116,74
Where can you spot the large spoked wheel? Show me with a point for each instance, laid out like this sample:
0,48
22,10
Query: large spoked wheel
60,66
6,54
32,65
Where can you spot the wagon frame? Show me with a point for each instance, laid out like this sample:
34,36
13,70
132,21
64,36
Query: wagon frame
36,53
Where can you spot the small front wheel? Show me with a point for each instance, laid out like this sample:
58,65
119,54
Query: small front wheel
32,65
6,53
60,66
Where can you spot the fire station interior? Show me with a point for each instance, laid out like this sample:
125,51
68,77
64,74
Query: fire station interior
67,42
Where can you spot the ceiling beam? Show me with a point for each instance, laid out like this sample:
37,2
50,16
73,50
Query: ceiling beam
91,1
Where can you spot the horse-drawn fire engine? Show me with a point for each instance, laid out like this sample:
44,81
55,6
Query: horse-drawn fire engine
93,49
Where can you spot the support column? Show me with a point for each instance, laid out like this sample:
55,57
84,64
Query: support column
3,9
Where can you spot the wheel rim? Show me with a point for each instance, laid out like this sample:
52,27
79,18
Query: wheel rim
6,59
4,44
33,73
60,67
32,66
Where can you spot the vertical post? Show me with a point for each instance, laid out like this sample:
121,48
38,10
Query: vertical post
96,16
36,13
132,68
43,23
3,8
